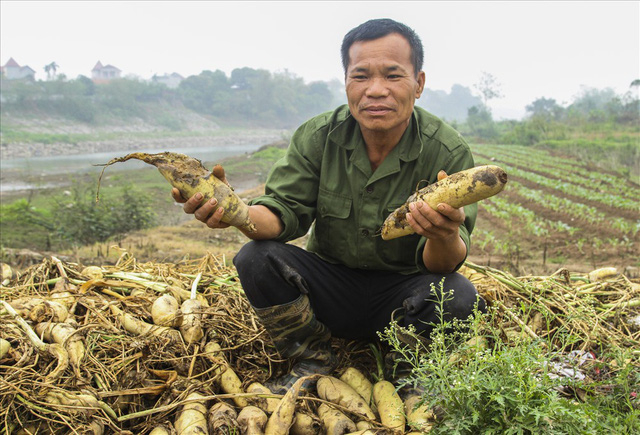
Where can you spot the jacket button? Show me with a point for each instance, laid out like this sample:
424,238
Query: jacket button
369,189
365,233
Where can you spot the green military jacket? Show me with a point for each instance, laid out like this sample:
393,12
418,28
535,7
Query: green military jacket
325,180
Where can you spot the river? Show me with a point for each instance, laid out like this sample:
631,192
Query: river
19,173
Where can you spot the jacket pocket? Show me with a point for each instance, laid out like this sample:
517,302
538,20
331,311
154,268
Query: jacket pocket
399,252
333,229
333,205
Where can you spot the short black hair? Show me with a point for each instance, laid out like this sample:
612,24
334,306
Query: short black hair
377,28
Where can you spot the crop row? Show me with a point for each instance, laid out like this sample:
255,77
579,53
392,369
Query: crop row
544,160
541,161
506,210
575,209
565,187
561,173
509,244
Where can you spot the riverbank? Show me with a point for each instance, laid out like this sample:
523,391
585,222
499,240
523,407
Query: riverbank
35,165
133,141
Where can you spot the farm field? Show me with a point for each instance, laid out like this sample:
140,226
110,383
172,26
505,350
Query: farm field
556,212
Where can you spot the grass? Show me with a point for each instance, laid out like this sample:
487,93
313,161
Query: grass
16,135
12,136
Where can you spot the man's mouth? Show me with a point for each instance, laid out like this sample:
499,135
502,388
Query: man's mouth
377,110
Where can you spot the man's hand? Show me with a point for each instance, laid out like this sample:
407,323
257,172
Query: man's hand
204,212
442,224
268,224
436,225
207,212
444,249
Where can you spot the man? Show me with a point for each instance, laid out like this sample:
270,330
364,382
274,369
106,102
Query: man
343,173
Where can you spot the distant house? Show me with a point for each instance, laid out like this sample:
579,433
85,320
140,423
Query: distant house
12,71
170,80
104,73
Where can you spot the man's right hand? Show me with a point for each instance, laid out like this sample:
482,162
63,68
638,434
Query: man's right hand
204,212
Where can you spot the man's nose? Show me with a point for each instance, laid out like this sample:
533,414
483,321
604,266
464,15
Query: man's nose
377,88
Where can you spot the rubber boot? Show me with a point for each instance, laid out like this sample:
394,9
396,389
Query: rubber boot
298,335
397,369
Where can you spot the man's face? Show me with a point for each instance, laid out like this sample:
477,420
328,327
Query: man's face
381,84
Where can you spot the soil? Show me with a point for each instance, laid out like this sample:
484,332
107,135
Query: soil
532,254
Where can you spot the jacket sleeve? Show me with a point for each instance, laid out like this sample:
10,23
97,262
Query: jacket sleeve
291,189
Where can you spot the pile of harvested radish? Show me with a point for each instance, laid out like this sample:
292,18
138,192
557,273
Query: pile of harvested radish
167,349
175,348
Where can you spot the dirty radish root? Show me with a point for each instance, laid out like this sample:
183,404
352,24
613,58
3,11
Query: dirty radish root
229,381
55,350
160,430
191,327
140,327
305,423
390,405
359,382
335,422
39,310
222,418
252,420
192,419
262,399
338,392
165,311
282,418
65,335
5,346
82,402
459,189
189,176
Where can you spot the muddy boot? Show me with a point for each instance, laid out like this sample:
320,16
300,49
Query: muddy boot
298,335
397,369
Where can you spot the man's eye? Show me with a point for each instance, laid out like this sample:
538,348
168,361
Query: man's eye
360,77
394,76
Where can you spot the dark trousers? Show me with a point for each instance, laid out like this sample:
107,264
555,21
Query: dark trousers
352,303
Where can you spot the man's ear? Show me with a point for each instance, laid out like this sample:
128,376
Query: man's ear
421,80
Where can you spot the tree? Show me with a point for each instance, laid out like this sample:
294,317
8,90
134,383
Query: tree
453,106
545,107
208,92
51,69
592,105
480,123
489,88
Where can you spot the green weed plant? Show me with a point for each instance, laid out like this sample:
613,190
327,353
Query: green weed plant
478,382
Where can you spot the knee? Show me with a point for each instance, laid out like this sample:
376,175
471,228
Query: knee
265,273
461,297
253,256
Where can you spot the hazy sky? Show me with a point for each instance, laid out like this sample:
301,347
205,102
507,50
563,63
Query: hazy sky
534,49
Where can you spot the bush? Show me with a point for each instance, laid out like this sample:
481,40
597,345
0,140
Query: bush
80,220
479,384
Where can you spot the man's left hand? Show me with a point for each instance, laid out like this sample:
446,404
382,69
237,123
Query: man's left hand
436,225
